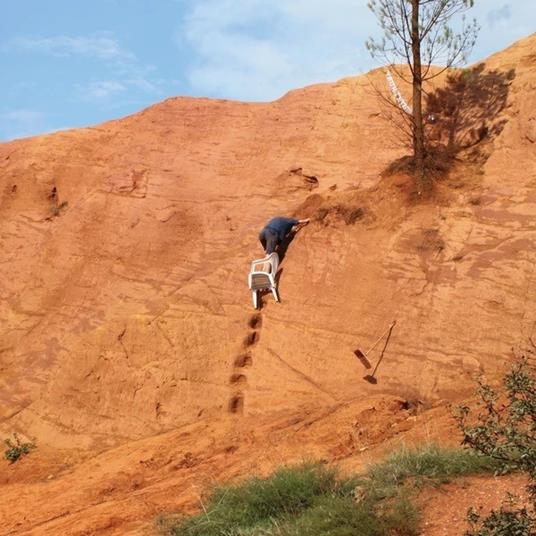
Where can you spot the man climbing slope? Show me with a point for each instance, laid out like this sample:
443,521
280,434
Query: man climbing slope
275,231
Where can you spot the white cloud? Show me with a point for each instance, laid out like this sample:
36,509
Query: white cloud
102,47
142,83
502,24
126,72
107,90
259,49
100,90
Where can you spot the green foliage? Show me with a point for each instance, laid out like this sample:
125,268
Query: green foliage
508,521
428,464
341,516
419,33
313,500
262,504
16,448
505,430
438,42
287,492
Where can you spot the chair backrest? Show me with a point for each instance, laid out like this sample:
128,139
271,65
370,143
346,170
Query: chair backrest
268,265
261,266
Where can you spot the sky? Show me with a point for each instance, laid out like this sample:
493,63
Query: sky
73,63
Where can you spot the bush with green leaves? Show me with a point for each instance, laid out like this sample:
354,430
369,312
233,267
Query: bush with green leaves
16,448
505,430
509,520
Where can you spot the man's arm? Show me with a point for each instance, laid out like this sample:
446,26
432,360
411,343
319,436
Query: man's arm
299,224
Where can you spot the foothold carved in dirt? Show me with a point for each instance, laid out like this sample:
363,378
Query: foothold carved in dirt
255,321
239,379
243,361
251,339
236,404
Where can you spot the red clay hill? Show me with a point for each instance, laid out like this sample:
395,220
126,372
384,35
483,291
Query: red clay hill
129,347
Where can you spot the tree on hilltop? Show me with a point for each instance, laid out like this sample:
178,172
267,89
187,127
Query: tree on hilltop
418,33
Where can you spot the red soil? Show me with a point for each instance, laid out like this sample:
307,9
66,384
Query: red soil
127,346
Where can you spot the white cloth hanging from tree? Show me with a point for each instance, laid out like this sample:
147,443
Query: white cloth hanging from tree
397,95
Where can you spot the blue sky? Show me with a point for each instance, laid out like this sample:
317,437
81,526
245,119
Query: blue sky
70,63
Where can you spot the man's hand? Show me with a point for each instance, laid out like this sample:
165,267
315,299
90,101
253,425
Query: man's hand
304,221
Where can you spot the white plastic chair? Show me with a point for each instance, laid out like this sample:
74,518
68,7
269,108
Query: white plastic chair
262,277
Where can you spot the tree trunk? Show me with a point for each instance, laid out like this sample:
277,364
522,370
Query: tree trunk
418,126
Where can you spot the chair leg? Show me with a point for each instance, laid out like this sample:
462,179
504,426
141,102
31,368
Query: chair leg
255,297
275,293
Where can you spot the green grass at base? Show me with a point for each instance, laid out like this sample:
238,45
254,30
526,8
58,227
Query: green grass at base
313,500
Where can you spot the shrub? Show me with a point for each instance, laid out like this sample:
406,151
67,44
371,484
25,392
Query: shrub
16,448
505,430
507,521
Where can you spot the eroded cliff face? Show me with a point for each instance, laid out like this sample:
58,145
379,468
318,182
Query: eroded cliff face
125,311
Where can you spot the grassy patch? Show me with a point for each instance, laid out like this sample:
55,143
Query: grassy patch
428,465
314,500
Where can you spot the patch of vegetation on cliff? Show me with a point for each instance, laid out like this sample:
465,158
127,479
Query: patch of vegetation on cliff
315,500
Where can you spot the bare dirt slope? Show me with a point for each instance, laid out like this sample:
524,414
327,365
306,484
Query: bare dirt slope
129,348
